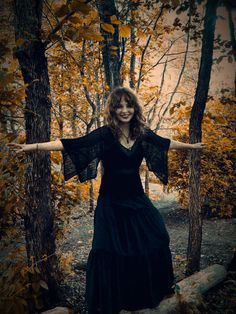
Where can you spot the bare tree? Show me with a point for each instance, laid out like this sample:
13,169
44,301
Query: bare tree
111,56
40,237
230,6
195,133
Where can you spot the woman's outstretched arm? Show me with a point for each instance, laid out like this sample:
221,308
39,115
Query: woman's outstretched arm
180,145
47,146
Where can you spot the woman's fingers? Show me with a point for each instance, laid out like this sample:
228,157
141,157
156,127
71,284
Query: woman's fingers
18,148
14,145
200,145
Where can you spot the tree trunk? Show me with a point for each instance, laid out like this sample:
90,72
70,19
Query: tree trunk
132,43
91,197
40,237
147,182
232,36
195,217
111,57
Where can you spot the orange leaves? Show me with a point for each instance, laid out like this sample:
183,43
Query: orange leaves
113,47
114,20
19,42
62,11
75,5
217,174
221,120
79,5
83,33
14,284
106,87
56,157
175,3
66,260
62,98
124,31
92,35
108,27
226,143
141,34
171,111
75,20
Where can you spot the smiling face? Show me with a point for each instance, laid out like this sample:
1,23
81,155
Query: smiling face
124,111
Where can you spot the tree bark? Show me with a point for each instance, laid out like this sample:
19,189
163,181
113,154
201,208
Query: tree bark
91,197
110,56
195,133
132,43
232,36
147,182
39,229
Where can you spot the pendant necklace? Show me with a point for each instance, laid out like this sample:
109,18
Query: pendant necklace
127,139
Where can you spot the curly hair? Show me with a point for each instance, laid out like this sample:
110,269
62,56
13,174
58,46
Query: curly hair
137,123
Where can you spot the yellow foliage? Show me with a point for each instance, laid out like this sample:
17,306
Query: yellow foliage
65,261
217,174
106,87
114,20
75,19
124,31
108,27
141,34
113,47
62,11
79,5
91,35
19,42
14,282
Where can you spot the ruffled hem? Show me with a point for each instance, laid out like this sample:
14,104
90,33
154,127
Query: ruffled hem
115,282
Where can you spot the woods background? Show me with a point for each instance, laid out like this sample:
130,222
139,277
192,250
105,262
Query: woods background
59,61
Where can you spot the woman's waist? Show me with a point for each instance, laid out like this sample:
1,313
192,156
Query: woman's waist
121,184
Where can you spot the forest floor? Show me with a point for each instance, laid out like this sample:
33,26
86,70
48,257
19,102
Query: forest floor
218,244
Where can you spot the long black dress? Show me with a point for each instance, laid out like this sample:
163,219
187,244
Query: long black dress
129,266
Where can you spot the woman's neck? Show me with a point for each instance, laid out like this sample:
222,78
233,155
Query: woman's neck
125,128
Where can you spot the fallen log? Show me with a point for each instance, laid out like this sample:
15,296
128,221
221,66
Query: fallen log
58,310
190,290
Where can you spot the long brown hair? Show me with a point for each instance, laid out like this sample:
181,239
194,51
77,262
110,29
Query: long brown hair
137,123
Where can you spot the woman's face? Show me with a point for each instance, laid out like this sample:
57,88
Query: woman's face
124,111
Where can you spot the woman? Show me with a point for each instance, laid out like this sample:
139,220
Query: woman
129,266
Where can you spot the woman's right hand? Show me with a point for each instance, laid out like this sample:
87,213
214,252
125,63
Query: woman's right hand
18,148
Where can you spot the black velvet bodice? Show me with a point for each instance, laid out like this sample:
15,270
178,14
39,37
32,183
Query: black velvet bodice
121,165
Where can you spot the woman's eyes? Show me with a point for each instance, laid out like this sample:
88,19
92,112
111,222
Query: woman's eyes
120,106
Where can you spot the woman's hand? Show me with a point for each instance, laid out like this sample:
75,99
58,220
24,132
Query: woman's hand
198,145
19,148
180,145
45,146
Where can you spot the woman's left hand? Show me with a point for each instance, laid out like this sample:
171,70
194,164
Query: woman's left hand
198,145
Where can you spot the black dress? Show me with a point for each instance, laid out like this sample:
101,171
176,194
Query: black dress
129,266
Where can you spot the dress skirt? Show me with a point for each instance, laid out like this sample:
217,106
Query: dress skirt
129,266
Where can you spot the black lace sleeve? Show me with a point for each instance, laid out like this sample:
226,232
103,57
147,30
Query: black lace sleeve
155,150
81,155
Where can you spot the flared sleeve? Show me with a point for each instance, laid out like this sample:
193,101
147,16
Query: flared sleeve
155,151
81,155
